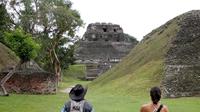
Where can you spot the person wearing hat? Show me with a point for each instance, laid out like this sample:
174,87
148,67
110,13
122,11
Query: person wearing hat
155,105
77,103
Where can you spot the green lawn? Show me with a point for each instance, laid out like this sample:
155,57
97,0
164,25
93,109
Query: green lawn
32,103
120,103
73,76
103,100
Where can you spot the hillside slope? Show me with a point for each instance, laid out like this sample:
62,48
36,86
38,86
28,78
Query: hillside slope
143,67
7,57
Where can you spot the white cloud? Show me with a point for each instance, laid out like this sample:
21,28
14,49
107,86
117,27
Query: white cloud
136,17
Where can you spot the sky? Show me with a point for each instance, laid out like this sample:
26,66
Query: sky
136,17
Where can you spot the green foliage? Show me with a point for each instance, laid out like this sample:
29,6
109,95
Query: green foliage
52,22
5,21
66,56
43,58
22,44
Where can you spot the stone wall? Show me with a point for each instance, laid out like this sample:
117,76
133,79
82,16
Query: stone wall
182,70
30,78
95,50
103,32
34,83
103,45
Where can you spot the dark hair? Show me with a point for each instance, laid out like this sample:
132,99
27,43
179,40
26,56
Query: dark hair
155,94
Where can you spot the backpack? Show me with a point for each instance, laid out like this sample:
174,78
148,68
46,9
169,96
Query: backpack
77,106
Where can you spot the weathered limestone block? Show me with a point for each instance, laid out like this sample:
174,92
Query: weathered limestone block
181,80
182,70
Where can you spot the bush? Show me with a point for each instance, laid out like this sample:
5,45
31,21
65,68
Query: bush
22,44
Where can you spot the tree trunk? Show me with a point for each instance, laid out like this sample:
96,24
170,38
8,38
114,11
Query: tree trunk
4,80
56,63
57,67
57,71
54,58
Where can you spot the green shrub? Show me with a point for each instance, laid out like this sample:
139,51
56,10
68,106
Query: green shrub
22,44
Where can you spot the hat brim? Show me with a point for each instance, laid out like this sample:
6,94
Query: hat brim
77,98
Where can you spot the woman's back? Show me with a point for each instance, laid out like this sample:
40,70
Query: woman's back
153,108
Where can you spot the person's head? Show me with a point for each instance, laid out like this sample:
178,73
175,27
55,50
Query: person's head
78,92
155,94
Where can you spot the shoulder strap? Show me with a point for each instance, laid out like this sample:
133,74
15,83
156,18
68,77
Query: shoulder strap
161,106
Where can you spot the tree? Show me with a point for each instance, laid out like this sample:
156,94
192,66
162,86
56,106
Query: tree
50,20
66,56
24,46
5,22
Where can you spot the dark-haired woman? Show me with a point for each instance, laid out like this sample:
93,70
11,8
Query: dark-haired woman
155,105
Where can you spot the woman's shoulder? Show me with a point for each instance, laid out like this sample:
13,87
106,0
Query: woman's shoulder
145,107
165,108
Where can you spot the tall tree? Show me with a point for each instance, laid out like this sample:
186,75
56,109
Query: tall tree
50,20
24,46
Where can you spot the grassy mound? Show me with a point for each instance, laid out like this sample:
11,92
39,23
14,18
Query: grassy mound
7,57
143,67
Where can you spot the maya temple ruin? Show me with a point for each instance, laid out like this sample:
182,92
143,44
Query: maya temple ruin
102,46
